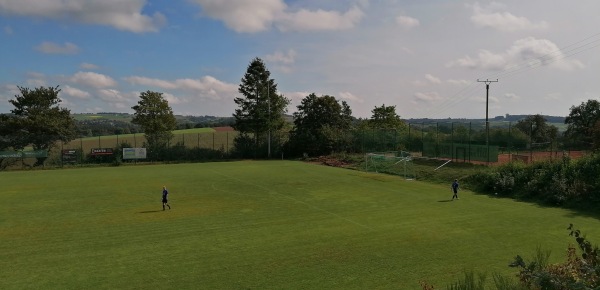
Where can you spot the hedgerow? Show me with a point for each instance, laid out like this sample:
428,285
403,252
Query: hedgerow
557,182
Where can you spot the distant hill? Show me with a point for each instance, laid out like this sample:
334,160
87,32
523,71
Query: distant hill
124,117
505,118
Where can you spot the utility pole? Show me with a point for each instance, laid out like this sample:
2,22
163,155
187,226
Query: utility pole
487,122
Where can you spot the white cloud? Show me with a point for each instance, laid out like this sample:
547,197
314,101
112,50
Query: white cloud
282,61
144,81
92,79
206,87
512,96
428,97
305,20
88,66
74,92
243,15
122,15
36,79
432,79
350,97
172,99
296,96
7,92
458,82
541,52
527,52
117,99
55,48
407,22
250,16
503,21
280,57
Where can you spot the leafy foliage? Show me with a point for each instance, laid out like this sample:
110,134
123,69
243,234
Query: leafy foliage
38,121
578,272
261,109
386,118
156,118
557,182
537,128
583,122
320,124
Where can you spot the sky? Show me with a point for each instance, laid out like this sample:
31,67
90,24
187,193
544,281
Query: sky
429,59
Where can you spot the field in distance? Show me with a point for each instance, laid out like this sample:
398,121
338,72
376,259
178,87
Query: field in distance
259,225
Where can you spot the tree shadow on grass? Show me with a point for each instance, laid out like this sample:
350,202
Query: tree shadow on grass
150,211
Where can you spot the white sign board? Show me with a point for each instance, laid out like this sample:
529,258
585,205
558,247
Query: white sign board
134,153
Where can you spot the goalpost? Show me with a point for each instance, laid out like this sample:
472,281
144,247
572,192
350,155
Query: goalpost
392,162
402,163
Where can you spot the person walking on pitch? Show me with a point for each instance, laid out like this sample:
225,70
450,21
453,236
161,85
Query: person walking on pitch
165,197
455,189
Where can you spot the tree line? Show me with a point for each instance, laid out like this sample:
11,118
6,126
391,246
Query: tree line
321,124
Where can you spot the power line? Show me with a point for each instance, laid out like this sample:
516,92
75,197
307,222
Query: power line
533,63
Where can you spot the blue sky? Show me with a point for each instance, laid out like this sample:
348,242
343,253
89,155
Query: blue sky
424,57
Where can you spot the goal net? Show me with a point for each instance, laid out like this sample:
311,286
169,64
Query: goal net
393,162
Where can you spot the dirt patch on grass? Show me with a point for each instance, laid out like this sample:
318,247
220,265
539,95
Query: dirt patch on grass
329,161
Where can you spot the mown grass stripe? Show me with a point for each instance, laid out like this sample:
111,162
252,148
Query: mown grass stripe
267,225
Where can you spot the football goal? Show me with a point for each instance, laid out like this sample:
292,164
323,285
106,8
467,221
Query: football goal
393,162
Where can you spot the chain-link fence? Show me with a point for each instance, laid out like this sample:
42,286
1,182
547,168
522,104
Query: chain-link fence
459,141
465,142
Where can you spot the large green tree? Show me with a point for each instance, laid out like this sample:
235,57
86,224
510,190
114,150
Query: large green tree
38,121
537,129
386,118
261,108
8,133
321,125
154,115
582,123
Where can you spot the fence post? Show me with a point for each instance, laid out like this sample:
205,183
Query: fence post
452,138
409,147
469,142
509,141
437,139
530,142
423,139
81,150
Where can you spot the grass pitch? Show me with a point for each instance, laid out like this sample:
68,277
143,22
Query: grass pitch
259,225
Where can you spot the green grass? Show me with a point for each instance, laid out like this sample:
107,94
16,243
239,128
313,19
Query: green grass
259,225
193,131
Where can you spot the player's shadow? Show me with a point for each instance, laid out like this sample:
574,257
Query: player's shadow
445,200
150,211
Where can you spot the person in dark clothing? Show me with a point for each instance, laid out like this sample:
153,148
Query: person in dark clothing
455,189
165,197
